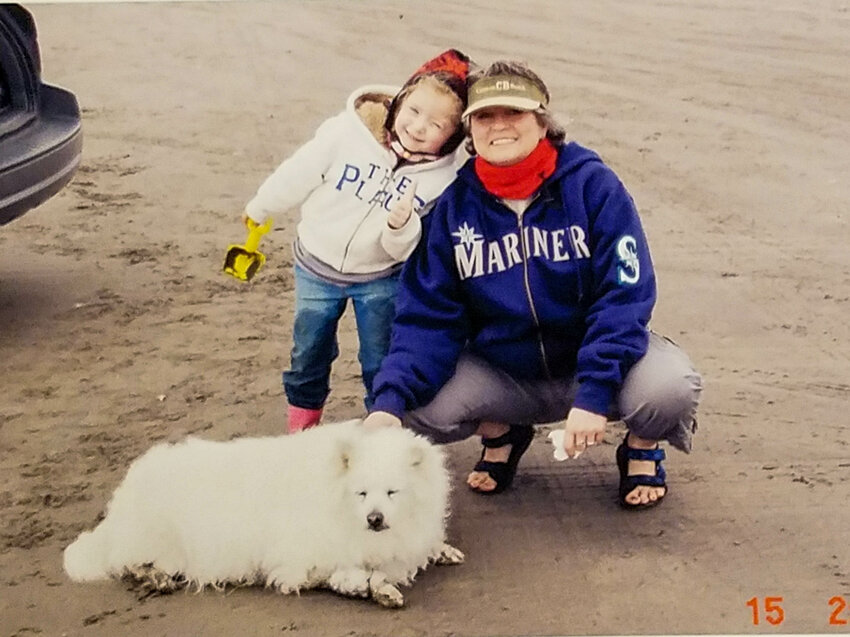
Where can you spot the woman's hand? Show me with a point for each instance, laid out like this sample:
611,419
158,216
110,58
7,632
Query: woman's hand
582,430
403,208
378,419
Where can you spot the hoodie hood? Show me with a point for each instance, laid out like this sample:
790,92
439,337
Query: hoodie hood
370,105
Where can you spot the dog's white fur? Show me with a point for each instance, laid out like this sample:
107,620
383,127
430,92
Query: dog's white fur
338,506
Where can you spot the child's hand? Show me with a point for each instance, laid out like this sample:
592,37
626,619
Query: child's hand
402,209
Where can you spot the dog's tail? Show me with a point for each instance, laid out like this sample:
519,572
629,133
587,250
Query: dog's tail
85,558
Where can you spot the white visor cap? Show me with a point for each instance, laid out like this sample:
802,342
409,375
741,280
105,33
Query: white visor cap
511,91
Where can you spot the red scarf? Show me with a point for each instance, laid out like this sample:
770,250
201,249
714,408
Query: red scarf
520,180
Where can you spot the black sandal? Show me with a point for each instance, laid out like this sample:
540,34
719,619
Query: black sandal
503,473
628,483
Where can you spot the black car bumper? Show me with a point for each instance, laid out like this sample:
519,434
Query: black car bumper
41,157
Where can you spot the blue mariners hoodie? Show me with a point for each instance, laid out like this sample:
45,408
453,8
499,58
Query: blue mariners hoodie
566,288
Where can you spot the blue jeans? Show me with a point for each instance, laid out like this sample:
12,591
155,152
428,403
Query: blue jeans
319,305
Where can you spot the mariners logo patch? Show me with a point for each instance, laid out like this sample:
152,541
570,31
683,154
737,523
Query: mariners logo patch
628,271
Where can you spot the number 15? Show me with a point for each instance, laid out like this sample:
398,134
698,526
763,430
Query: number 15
774,614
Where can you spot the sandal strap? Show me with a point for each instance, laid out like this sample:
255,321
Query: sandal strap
629,482
498,441
490,467
503,472
658,480
656,455
512,436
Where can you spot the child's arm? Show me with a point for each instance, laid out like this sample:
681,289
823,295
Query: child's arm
298,175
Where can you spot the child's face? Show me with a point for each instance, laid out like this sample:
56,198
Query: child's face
426,119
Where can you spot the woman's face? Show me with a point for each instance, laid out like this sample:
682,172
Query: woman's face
504,136
426,119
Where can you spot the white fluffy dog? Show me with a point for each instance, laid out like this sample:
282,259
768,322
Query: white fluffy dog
337,506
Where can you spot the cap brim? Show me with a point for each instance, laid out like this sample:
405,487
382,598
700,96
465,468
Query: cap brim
508,101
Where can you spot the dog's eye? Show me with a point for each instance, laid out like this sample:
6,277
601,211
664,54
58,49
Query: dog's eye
391,493
361,495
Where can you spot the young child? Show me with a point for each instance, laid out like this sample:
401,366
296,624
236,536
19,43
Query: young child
365,172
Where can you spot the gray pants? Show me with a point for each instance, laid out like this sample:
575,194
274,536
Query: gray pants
658,399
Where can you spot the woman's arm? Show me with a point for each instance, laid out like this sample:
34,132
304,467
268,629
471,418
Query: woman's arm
430,327
624,295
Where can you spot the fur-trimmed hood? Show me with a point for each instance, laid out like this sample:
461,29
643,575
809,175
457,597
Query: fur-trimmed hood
371,104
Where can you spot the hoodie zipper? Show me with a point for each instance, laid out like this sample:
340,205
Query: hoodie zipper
528,294
388,179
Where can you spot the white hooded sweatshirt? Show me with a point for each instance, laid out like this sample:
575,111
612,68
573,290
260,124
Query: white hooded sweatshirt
348,183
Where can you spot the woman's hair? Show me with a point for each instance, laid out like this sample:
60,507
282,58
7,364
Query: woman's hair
555,132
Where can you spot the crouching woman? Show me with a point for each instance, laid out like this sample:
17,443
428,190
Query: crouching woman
528,300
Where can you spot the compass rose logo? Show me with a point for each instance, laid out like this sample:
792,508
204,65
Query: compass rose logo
467,235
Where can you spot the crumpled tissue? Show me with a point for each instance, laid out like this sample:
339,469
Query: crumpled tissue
557,438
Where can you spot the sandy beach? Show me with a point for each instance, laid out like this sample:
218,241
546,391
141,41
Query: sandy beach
728,123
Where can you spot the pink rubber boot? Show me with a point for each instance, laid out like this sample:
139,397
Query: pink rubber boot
300,418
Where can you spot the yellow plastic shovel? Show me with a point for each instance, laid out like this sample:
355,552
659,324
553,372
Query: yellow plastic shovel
243,261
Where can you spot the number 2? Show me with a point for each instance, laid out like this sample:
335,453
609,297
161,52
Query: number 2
840,605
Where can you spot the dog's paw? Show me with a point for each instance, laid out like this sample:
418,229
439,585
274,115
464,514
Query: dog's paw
148,580
285,580
386,594
287,589
448,555
351,582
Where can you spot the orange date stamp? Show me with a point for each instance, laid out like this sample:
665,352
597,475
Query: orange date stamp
771,610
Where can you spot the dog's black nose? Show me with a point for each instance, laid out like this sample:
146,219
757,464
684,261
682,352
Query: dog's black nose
376,521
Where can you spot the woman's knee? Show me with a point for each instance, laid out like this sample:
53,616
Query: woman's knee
471,395
676,397
661,393
420,421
